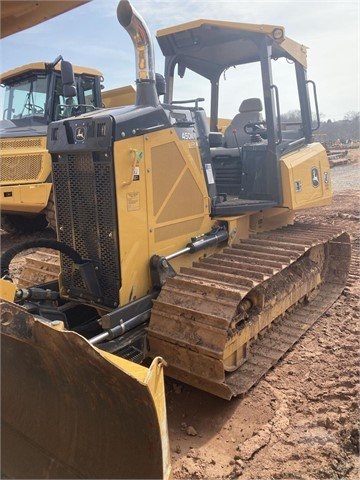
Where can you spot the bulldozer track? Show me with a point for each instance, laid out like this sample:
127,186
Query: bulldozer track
265,352
40,267
355,264
352,226
198,313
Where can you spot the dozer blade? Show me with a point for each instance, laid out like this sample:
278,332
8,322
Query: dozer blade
70,410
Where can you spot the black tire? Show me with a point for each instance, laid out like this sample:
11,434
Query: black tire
50,212
23,224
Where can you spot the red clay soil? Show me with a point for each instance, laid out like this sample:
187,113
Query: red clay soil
301,420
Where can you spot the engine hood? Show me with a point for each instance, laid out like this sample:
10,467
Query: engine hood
9,130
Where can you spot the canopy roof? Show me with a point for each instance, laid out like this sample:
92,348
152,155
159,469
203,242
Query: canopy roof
208,47
19,15
38,66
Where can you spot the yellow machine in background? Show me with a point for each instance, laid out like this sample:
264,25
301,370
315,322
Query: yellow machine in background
178,250
117,97
34,97
19,15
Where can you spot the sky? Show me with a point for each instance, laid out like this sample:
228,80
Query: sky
91,36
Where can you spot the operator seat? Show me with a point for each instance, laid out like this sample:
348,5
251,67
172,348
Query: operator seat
250,111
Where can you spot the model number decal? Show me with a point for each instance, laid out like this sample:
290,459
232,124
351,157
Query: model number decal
188,136
209,173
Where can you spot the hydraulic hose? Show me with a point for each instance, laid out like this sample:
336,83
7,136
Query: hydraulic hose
8,256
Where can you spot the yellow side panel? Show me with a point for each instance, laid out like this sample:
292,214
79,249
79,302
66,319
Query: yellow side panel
306,178
25,198
162,203
130,180
177,194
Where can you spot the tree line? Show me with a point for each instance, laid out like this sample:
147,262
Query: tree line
345,130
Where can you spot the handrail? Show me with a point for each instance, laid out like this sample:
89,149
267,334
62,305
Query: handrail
194,100
279,134
295,142
316,105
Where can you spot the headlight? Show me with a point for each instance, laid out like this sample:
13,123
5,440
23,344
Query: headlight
278,33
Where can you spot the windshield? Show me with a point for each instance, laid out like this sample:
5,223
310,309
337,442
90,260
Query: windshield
37,99
25,100
84,101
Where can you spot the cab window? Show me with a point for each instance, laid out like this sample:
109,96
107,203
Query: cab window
25,100
88,88
63,106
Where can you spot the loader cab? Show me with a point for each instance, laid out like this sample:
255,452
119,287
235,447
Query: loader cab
241,163
34,95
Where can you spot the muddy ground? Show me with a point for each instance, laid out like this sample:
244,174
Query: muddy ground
301,420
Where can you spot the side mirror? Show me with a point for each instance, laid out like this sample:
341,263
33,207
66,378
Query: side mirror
160,84
181,70
69,90
68,79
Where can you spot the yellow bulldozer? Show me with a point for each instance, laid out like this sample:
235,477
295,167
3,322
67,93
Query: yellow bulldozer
179,254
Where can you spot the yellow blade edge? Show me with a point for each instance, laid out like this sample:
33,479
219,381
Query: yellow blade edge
70,410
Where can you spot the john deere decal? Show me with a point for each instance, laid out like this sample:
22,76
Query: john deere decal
315,177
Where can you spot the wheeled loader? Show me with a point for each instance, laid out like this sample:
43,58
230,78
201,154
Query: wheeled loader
179,253
34,95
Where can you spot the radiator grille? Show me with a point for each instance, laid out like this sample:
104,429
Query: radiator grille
20,167
20,143
86,212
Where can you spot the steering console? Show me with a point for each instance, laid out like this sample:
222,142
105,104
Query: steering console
256,128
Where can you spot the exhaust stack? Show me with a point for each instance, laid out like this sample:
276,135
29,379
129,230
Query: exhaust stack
144,53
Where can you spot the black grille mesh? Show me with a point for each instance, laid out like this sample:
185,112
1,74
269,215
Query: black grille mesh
86,213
